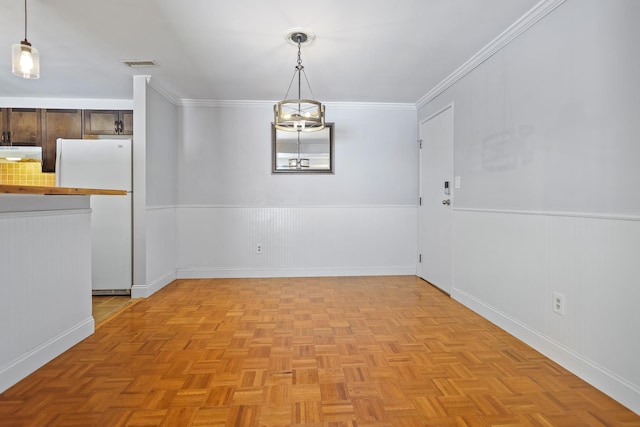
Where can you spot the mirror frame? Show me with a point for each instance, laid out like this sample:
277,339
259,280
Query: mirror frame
274,170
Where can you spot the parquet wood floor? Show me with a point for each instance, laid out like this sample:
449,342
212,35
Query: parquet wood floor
351,351
105,307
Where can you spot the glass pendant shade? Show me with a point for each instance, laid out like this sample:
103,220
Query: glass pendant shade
25,60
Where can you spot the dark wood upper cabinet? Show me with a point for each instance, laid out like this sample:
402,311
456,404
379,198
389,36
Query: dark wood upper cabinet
58,124
4,126
21,126
42,127
108,122
126,118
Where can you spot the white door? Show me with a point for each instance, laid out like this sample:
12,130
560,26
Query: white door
434,218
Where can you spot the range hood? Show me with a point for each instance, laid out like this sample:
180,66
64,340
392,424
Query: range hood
21,153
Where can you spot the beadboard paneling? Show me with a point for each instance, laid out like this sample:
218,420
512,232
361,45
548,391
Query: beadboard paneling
507,266
511,273
162,250
594,263
296,241
45,291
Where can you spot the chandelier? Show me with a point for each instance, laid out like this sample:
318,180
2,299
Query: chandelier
25,60
299,115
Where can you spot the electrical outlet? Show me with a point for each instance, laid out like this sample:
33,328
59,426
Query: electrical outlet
558,303
258,248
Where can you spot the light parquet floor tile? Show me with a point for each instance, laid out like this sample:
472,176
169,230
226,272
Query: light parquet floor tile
344,351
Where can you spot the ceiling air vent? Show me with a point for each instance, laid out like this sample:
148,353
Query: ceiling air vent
140,63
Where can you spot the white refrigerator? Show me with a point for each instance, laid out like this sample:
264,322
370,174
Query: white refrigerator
103,164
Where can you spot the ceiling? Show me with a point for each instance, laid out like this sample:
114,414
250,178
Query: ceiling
365,50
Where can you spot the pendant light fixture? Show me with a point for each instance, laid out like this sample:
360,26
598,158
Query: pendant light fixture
25,60
299,115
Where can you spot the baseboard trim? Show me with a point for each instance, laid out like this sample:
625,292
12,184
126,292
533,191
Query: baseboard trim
145,291
232,273
618,388
20,368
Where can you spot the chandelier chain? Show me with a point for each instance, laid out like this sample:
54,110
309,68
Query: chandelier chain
298,69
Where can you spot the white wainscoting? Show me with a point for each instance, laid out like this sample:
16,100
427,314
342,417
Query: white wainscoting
221,241
507,265
162,250
45,281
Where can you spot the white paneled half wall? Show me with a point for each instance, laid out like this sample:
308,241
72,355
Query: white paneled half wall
161,250
45,283
222,241
508,265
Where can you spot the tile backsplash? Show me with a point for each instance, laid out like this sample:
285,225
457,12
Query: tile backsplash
25,173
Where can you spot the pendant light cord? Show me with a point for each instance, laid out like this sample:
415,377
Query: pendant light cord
25,20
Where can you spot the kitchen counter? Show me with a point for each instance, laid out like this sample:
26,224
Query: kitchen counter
35,189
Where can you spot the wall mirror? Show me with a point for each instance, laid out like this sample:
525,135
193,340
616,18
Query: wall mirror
312,153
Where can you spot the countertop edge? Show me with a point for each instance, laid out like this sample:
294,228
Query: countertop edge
52,191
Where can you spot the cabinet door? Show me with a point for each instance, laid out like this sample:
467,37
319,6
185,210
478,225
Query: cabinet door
25,126
58,124
4,126
126,119
101,122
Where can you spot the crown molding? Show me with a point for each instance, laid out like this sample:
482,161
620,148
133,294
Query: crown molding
168,95
269,104
529,19
372,106
223,103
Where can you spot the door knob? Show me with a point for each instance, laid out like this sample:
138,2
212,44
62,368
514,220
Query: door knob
446,202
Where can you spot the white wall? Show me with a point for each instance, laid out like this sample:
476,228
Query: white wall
361,220
162,150
156,165
549,122
546,147
225,158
